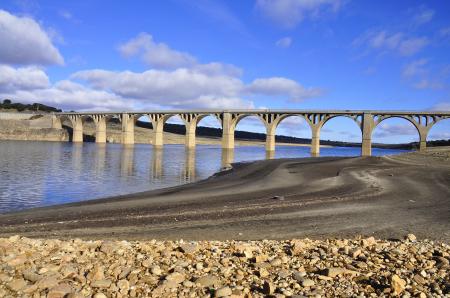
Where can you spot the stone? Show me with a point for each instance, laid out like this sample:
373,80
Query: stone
268,288
411,237
123,285
188,248
17,284
104,283
308,282
335,271
47,282
99,295
208,281
156,270
59,291
175,277
397,284
223,292
276,262
17,261
370,241
30,275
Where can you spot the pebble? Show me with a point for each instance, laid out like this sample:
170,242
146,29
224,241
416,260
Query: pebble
359,267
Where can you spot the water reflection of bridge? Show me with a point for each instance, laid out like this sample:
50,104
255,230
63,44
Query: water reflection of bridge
367,121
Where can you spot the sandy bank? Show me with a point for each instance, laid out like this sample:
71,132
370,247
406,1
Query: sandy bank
274,199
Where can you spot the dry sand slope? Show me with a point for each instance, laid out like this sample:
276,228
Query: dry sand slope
387,197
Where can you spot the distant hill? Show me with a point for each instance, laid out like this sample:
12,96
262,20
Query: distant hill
7,104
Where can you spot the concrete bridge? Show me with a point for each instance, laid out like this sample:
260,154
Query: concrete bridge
366,121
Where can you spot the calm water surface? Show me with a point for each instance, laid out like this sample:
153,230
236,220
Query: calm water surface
36,174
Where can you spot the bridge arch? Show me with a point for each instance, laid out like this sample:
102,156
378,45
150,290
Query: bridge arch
346,126
405,128
440,131
209,123
250,120
290,125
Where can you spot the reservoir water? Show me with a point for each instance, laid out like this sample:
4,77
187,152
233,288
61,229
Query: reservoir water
34,174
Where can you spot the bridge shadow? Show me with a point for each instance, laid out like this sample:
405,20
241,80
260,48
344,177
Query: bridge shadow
86,138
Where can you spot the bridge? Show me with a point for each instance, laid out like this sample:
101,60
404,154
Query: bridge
366,120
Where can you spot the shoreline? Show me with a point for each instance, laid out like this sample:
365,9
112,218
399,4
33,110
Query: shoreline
309,197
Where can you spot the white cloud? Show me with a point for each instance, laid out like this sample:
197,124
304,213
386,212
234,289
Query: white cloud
158,55
70,96
162,86
428,84
284,42
25,78
289,13
423,16
396,42
415,68
23,41
282,86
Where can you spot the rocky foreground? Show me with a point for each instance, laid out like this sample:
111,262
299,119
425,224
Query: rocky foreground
319,268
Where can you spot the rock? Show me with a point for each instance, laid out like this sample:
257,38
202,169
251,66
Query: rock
188,248
222,292
262,272
99,295
335,271
297,246
59,291
397,284
441,262
411,237
104,283
47,282
17,261
17,284
30,275
109,247
208,281
176,277
276,262
308,283
299,275
370,241
260,258
156,270
268,288
123,285
419,279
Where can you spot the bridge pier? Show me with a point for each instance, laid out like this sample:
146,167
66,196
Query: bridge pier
100,132
190,137
127,129
77,129
423,133
315,139
227,132
367,126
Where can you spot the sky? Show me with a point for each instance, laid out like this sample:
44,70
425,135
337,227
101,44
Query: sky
274,54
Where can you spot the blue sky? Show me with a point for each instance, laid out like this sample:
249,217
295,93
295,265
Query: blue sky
296,54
